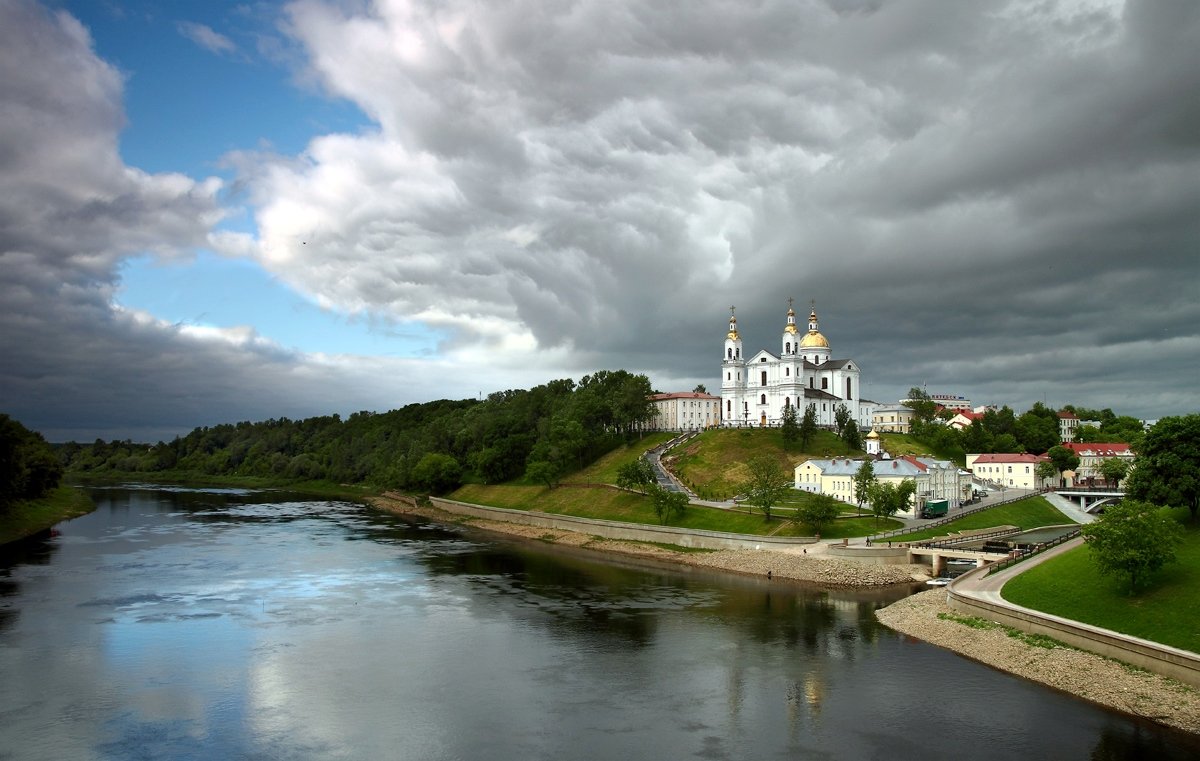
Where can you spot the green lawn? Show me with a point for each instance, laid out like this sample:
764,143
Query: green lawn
1071,587
614,505
1031,512
604,470
28,517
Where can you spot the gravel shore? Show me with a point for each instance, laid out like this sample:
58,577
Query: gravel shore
809,564
1079,673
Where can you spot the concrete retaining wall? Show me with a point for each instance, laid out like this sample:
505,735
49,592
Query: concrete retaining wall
871,555
708,540
1161,659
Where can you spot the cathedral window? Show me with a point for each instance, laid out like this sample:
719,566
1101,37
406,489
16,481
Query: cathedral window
824,384
728,405
787,371
787,348
730,352
764,377
763,399
848,394
728,376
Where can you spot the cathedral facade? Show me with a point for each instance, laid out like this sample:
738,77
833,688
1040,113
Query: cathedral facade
756,390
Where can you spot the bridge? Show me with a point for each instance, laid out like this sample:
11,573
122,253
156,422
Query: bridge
1091,498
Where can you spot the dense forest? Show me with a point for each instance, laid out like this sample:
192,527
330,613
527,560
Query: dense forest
540,433
28,467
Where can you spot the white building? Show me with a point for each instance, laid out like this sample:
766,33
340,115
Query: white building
934,479
1017,471
892,418
1091,455
685,411
756,390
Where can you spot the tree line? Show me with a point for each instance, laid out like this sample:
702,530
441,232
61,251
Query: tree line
540,433
28,466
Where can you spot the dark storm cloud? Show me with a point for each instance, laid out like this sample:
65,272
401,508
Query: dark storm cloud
997,200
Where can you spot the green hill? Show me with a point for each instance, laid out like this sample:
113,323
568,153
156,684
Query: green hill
714,463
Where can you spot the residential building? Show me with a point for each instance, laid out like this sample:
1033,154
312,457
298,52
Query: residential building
1068,425
685,411
1016,471
1092,454
935,479
892,418
964,419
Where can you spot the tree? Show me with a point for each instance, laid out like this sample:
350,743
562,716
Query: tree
887,499
817,511
1134,538
436,473
667,504
28,467
1063,459
790,427
636,475
1047,471
1037,432
847,428
1114,470
923,407
808,426
700,389
864,479
543,472
1166,470
766,485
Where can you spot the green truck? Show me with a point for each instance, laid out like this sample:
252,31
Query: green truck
935,508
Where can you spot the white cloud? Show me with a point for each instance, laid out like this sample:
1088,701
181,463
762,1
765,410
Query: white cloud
206,37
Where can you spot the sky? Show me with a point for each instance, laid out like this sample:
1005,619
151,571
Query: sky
221,211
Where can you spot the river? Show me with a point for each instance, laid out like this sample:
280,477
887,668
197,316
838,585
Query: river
229,624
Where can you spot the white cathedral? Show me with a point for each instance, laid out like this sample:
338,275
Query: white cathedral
756,390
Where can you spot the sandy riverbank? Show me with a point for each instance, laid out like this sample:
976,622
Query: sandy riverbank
1079,673
809,564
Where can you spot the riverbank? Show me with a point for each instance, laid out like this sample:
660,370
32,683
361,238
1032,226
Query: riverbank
29,517
1092,677
809,564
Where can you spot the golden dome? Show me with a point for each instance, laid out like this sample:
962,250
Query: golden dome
872,434
813,339
733,335
790,329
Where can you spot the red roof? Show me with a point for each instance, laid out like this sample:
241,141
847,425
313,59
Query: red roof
988,459
1068,415
1098,449
920,465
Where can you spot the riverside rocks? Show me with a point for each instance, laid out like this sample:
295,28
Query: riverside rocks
808,564
1086,675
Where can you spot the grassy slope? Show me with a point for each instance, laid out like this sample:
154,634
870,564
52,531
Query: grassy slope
611,504
714,463
899,444
1028,513
1071,587
31,516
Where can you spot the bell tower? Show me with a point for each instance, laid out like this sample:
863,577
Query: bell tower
732,372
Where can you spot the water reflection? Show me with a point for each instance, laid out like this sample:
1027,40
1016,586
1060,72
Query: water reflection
199,624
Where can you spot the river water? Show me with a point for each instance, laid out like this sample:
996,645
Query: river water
228,624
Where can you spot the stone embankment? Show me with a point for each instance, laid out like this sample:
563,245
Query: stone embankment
1086,675
807,564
